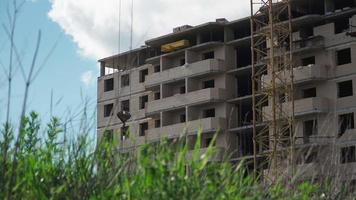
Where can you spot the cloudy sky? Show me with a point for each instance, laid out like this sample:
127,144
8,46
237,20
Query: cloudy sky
94,25
88,30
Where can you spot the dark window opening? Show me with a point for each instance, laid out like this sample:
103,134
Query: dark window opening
157,95
209,36
345,89
343,56
245,115
208,142
244,86
243,57
157,123
348,154
310,128
143,102
308,61
340,4
108,109
346,122
218,36
157,68
109,85
109,135
143,129
307,157
306,32
182,118
342,25
125,133
125,105
182,61
125,80
208,55
209,113
282,98
182,90
285,138
311,157
143,74
245,141
309,93
209,84
243,31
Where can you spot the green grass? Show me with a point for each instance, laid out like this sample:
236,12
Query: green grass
56,168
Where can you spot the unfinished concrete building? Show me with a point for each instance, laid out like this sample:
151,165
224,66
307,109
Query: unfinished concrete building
199,78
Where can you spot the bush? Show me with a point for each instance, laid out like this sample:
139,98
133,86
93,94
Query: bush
55,168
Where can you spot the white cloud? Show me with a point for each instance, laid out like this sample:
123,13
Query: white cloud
88,78
93,25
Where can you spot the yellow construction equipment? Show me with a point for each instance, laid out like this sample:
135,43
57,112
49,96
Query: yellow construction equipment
174,46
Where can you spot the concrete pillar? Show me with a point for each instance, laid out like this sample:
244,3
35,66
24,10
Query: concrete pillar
228,34
102,69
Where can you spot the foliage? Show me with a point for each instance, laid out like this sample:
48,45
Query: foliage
52,167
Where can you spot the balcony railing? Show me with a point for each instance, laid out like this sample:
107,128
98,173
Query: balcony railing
191,127
189,70
301,74
191,98
301,107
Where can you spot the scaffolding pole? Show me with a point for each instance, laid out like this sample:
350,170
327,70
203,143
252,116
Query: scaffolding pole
273,96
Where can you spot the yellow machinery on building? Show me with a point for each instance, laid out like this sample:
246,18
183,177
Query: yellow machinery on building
174,46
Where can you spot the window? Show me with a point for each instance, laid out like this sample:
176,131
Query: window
108,109
209,84
345,89
342,25
143,101
143,74
182,90
125,133
310,128
108,85
307,157
282,98
157,95
308,61
343,56
182,61
348,154
143,129
309,93
109,135
340,4
157,123
208,55
346,122
125,105
157,68
310,157
125,80
208,142
306,32
182,118
209,113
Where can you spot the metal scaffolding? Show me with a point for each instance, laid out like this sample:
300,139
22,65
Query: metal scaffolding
272,82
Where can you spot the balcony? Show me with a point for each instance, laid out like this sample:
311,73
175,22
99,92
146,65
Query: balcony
190,70
302,74
182,100
191,127
308,44
217,154
301,107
